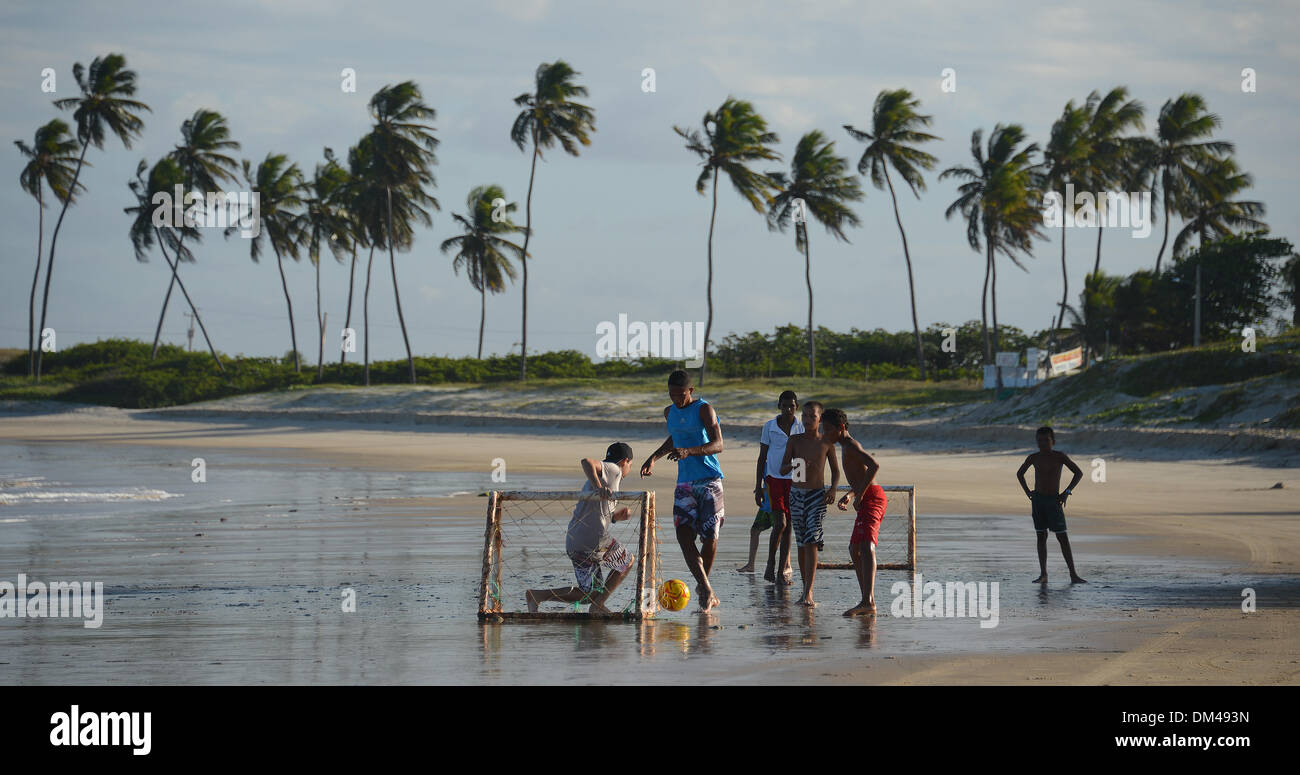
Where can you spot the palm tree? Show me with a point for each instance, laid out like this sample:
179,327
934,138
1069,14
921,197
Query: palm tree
1113,154
1209,207
163,178
102,107
820,180
344,201
1000,201
1068,159
1179,147
481,249
279,187
734,135
204,167
895,130
49,163
1094,320
368,202
402,148
324,220
549,116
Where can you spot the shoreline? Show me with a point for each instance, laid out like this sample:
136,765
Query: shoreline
1262,447
1228,511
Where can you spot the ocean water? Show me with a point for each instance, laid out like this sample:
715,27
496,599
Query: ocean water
240,579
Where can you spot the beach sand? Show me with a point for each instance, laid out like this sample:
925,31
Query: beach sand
1200,525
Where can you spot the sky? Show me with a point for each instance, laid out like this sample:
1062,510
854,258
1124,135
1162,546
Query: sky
618,229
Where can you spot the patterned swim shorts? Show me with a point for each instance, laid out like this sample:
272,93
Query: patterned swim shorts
807,510
698,506
587,566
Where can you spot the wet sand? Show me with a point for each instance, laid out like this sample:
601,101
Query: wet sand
239,580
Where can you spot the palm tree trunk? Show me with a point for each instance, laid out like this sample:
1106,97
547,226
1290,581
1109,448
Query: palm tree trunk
708,327
911,285
1065,281
54,239
366,311
193,309
320,325
1165,240
482,317
997,342
523,260
347,322
31,301
392,263
157,334
1096,265
984,304
807,276
293,332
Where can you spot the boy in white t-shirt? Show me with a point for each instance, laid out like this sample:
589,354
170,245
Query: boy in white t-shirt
588,542
771,449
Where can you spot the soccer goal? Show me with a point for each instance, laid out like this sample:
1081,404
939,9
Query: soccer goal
523,549
896,542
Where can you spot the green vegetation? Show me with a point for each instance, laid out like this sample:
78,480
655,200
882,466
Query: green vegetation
120,373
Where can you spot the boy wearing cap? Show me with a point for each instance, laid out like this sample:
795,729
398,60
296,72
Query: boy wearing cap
588,543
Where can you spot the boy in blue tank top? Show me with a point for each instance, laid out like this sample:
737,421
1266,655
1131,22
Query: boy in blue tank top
694,440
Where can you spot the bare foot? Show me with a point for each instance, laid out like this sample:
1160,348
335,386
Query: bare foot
746,568
862,609
767,574
808,602
532,601
1078,580
1040,580
788,576
714,602
706,597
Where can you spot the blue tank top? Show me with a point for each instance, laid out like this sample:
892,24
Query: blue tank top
687,431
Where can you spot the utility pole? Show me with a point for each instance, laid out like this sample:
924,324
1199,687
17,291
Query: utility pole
190,345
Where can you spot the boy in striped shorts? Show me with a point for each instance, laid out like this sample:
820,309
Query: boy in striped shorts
806,456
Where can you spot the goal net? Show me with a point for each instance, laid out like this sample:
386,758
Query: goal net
524,549
896,542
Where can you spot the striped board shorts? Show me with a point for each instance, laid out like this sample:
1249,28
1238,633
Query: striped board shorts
807,510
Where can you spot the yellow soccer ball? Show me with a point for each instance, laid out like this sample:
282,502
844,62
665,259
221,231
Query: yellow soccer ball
674,595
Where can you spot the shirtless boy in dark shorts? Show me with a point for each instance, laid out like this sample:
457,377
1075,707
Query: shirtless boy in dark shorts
1048,500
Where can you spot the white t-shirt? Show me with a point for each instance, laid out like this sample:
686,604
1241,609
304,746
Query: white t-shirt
776,439
589,528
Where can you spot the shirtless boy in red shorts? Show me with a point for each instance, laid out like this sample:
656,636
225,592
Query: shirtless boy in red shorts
868,498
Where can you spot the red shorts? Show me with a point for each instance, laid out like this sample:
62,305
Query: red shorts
778,493
870,513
